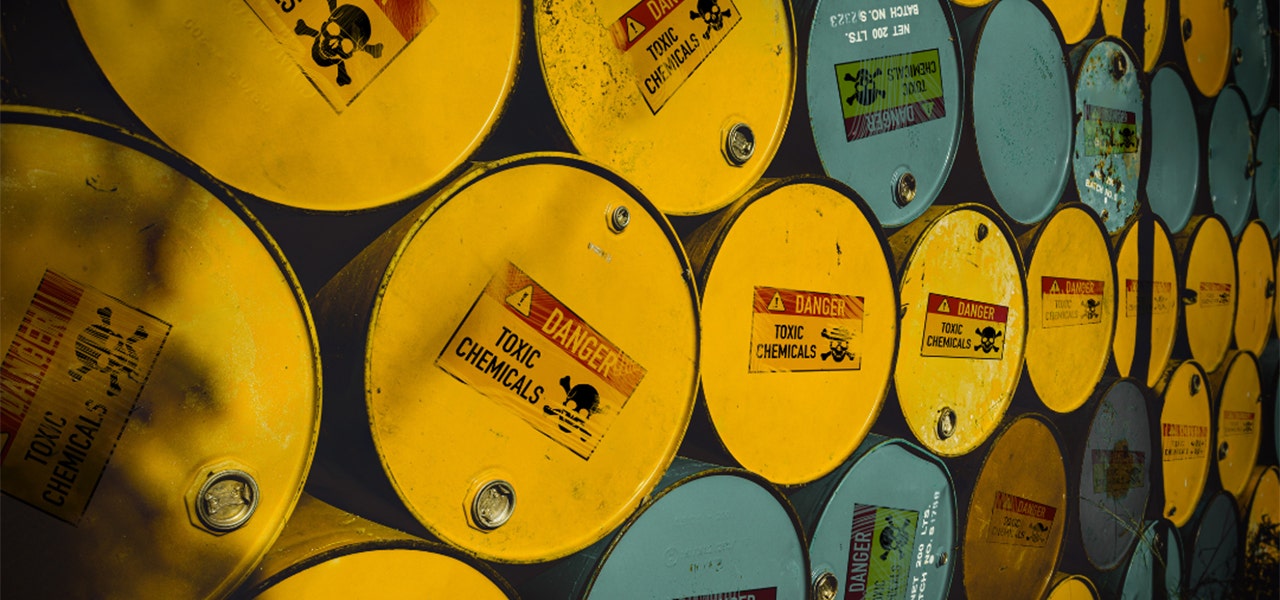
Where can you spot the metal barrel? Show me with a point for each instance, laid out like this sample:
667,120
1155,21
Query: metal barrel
883,525
1229,164
1151,26
1204,27
327,552
1236,389
1214,541
1071,306
1173,179
707,532
1110,129
1184,439
1252,62
1146,280
1266,179
799,326
962,327
1067,586
1260,506
1075,18
1017,514
882,100
689,101
1020,121
1255,274
517,383
159,398
1153,569
342,106
1208,290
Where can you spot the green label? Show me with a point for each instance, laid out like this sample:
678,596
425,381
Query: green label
881,545
1109,131
879,95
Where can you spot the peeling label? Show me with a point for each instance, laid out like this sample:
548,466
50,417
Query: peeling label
1109,131
1118,470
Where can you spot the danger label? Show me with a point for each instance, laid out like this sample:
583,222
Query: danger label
1184,442
884,94
1066,302
343,47
665,41
1214,295
880,548
1020,522
1109,131
1238,422
769,593
71,377
1118,470
959,328
1162,299
793,330
529,352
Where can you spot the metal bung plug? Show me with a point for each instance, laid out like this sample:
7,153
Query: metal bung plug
493,504
227,500
946,423
1186,29
1239,56
1119,65
904,189
825,586
1222,451
982,231
1195,384
1271,288
942,559
619,218
1251,168
739,144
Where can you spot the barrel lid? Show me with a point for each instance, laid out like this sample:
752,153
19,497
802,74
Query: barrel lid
889,526
887,121
1266,180
1072,587
1155,16
1158,551
1017,513
1209,289
1184,439
1255,271
263,105
520,315
1115,474
963,328
1251,59
1175,148
798,338
161,387
1022,109
1071,283
1239,423
1230,160
1206,42
1108,130
688,103
1215,554
1164,300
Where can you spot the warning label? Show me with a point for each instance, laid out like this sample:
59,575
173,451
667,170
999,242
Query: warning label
883,94
343,47
793,330
1109,131
1238,422
67,385
880,548
1070,301
769,593
666,41
1020,522
526,350
1184,442
959,328
1118,470
1214,295
1162,299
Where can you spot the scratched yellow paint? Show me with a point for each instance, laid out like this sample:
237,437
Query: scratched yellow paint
1208,47
1207,262
1164,308
1255,272
1155,15
1075,17
1185,439
1238,398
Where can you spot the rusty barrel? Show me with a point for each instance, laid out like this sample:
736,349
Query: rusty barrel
1154,19
1184,439
1110,129
1207,289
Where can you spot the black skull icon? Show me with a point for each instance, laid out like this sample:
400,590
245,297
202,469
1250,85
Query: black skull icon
987,341
99,348
1128,143
345,32
709,11
864,87
586,401
895,537
839,344
1091,308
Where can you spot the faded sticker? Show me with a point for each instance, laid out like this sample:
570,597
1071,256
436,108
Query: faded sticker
1238,422
1019,521
805,331
1215,295
1118,470
68,383
1162,301
1066,301
959,328
883,94
880,549
1109,131
342,48
665,41
1184,442
529,352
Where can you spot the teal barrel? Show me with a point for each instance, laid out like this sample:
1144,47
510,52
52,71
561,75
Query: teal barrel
1215,549
1174,173
1266,179
1107,157
1253,64
1229,158
1153,569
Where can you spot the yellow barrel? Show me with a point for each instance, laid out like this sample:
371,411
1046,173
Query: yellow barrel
325,552
1071,587
1017,514
688,101
963,325
971,3
1071,300
1155,17
1206,42
1255,273
525,346
799,326
1149,298
1261,508
159,399
1206,263
1075,17
319,105
1237,391
1184,439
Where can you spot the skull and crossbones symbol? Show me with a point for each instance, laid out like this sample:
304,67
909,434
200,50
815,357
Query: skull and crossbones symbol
101,349
1091,308
864,87
346,31
988,336
709,11
839,344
